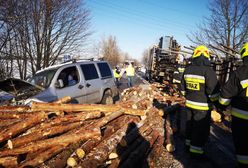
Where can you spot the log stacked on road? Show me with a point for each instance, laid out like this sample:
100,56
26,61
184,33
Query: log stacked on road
59,134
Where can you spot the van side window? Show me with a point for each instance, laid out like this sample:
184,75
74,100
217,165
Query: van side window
104,70
69,76
89,71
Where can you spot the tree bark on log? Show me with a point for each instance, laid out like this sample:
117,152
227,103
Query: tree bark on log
8,122
41,134
8,162
15,115
15,108
113,126
141,151
65,99
83,107
63,140
74,117
20,127
42,157
155,152
169,135
124,152
96,157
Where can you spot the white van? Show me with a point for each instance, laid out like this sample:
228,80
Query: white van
85,81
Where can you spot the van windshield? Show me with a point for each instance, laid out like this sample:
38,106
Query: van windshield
43,78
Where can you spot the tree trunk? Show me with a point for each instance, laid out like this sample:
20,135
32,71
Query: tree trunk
63,140
22,126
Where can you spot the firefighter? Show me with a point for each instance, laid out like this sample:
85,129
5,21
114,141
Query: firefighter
200,87
235,93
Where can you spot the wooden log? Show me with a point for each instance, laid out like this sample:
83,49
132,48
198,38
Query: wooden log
41,157
73,107
14,115
129,148
74,117
100,153
155,152
113,126
140,152
9,161
83,107
64,140
169,135
15,108
65,99
8,122
22,126
41,134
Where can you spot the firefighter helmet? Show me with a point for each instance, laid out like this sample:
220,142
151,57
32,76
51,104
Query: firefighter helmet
244,50
201,50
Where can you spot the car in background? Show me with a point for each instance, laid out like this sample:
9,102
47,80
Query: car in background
85,81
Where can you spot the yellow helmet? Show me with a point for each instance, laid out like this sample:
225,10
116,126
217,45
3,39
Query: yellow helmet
201,50
244,50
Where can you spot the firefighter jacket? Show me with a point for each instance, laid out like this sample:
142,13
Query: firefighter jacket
235,92
177,75
199,84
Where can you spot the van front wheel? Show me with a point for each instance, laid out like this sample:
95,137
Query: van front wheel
107,99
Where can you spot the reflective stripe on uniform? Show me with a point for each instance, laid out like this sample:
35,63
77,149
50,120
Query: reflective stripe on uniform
242,159
244,83
181,70
195,149
214,97
194,78
239,113
183,93
197,105
224,101
187,142
176,81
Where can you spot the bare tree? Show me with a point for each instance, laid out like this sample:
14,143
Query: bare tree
110,51
227,24
43,30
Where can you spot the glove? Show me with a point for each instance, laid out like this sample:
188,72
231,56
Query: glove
219,107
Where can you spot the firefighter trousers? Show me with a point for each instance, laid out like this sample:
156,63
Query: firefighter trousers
197,130
240,140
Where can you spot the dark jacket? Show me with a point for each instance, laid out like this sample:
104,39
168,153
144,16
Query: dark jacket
235,91
200,85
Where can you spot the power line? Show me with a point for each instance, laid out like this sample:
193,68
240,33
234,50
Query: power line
138,13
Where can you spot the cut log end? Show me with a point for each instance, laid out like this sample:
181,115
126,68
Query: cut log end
80,153
71,162
170,148
113,155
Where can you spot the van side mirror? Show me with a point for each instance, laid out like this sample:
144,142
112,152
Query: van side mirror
59,83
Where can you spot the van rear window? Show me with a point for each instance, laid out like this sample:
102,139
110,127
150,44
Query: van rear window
105,71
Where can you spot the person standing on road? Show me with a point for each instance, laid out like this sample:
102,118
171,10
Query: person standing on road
235,92
117,76
130,72
200,87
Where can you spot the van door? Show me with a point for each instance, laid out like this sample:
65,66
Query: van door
92,83
72,85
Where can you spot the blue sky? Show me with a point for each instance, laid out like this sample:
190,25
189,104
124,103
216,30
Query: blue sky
138,24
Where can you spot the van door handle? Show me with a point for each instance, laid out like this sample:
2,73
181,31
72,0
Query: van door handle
80,87
88,85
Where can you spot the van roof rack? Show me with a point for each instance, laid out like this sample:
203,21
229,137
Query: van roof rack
81,59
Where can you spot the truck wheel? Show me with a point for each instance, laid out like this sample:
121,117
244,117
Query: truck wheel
107,99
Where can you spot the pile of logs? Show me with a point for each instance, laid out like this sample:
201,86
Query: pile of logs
127,134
